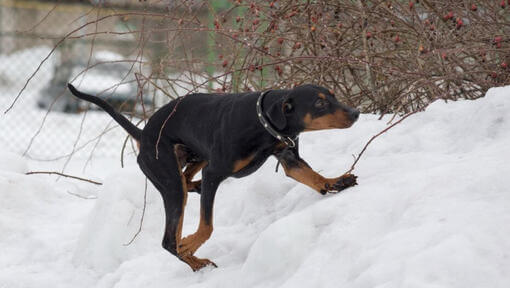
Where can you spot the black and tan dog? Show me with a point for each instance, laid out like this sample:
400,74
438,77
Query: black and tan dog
227,135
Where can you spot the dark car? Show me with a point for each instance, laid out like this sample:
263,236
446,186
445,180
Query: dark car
114,81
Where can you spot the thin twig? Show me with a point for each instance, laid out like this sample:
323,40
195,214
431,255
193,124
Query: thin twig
80,196
379,134
64,175
141,218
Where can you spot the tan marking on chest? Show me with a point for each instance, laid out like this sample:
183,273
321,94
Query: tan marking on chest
241,163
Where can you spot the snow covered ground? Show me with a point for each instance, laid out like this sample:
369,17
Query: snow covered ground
432,209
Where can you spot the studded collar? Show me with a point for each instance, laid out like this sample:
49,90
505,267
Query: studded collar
290,142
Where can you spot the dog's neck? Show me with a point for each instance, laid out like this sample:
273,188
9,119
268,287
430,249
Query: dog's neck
266,99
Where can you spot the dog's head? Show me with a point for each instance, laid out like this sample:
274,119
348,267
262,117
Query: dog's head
309,108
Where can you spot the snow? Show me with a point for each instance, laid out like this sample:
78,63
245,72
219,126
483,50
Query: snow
431,210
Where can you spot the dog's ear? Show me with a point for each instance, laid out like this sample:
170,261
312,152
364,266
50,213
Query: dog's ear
277,111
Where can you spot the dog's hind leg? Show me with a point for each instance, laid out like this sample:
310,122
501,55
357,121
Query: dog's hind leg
166,175
210,183
191,170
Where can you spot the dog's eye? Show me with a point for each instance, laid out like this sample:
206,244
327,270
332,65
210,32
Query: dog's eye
287,107
321,103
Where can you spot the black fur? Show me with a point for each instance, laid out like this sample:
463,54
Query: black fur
221,129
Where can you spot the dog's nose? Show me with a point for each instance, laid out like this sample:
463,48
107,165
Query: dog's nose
354,115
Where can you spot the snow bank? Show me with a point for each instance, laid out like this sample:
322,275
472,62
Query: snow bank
39,224
431,210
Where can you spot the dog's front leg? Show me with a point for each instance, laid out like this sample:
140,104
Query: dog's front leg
298,169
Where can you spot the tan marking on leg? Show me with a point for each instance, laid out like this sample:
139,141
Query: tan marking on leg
191,243
194,185
310,178
187,246
190,172
192,169
178,233
322,96
196,263
240,164
181,155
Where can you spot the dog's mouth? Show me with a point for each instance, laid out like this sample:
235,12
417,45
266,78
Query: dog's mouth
338,120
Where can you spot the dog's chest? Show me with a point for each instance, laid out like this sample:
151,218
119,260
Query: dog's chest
252,165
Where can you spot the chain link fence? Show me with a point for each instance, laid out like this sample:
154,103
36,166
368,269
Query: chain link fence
30,35
382,57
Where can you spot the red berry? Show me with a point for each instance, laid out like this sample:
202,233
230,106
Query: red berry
448,16
369,34
297,45
498,45
220,56
443,55
280,41
238,19
225,63
498,39
278,69
256,22
312,28
504,65
459,23
411,4
271,5
397,39
432,27
339,25
502,4
473,7
494,74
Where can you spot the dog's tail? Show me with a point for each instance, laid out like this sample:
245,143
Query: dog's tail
134,131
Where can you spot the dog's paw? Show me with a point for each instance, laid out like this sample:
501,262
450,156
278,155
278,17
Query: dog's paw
344,182
197,263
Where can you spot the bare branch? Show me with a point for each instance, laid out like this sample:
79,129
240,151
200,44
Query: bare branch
63,175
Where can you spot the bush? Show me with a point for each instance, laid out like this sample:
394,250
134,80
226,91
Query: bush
380,56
